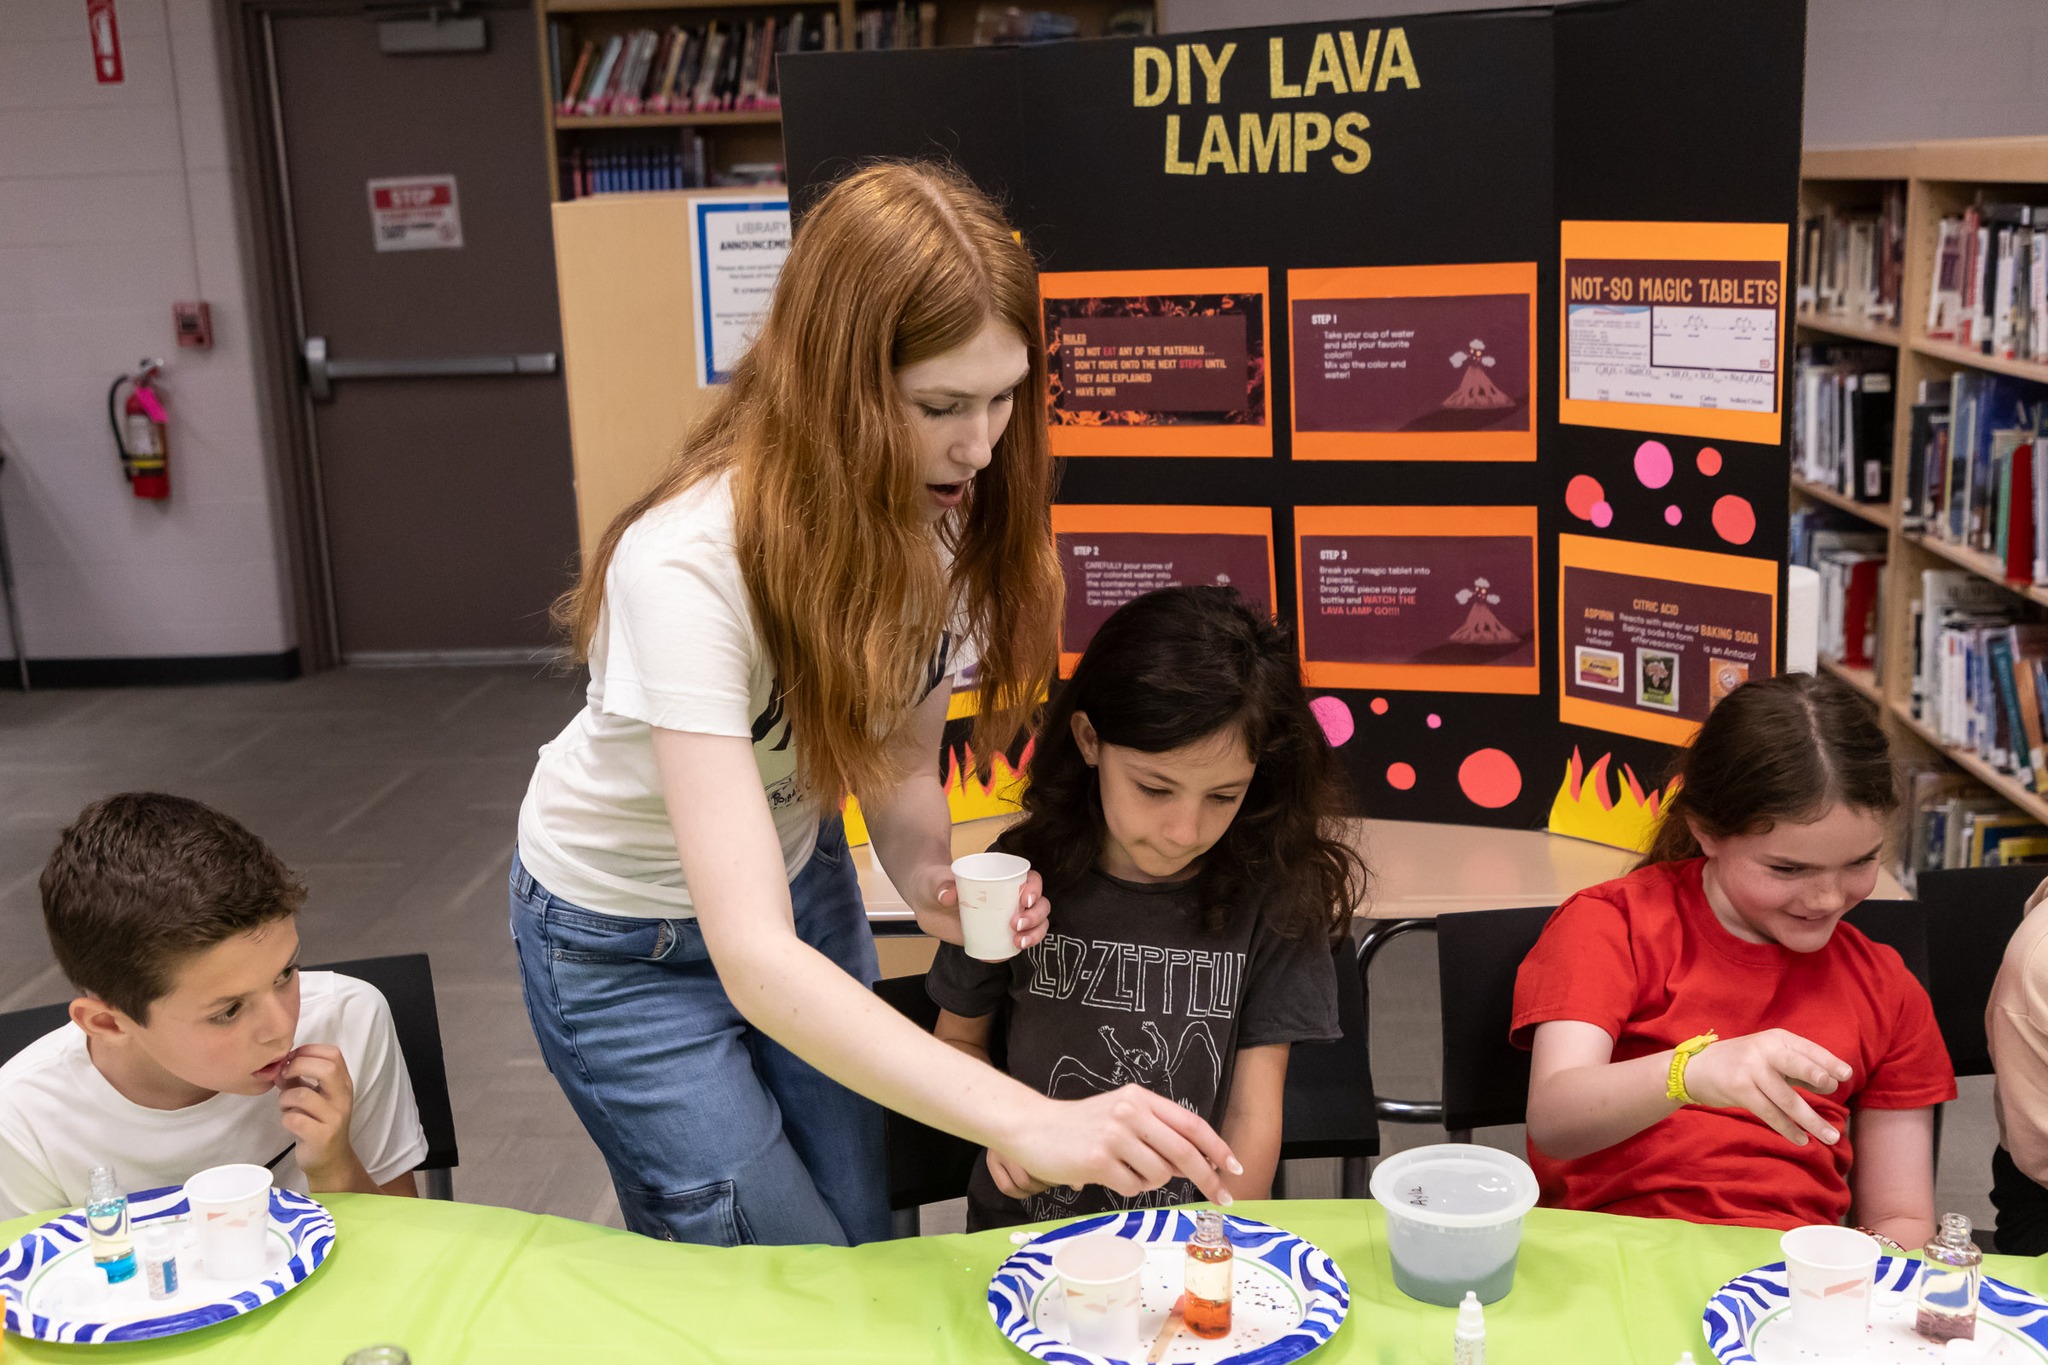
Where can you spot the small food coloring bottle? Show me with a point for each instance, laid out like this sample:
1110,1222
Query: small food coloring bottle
158,1243
1209,1272
1468,1341
106,1226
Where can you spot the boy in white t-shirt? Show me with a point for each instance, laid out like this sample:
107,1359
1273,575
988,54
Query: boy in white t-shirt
194,1040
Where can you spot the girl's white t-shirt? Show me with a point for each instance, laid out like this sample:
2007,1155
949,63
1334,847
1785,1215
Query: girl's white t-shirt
676,647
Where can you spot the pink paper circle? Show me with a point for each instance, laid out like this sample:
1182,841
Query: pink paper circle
1490,778
1709,461
1653,464
1602,516
1436,722
1379,706
1335,718
1400,776
1734,519
1672,515
1582,495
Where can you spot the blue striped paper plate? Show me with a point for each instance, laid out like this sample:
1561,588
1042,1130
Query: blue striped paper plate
1743,1321
1289,1295
54,1293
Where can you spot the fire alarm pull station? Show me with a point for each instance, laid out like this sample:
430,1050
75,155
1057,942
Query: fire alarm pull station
194,324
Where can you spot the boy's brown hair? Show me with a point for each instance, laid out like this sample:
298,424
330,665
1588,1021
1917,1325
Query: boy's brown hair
142,881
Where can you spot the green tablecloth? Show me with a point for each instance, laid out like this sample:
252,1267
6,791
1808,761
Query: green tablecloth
467,1284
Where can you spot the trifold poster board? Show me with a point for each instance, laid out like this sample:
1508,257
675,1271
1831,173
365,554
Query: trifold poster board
1458,341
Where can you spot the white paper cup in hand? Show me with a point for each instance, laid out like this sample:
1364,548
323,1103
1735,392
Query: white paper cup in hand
1829,1271
991,888
1101,1277
231,1211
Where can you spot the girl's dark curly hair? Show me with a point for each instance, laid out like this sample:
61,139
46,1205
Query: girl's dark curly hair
1171,668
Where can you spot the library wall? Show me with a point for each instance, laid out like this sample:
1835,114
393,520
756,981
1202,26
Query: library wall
115,201
1876,70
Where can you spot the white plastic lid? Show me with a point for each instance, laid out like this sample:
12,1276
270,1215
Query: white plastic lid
1471,1317
1393,1181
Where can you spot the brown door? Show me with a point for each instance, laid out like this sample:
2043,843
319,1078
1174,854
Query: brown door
438,423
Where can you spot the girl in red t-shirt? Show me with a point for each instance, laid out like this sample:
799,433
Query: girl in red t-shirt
1676,1015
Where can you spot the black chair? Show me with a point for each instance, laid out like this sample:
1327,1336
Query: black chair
1478,952
1485,1081
1328,1109
1972,913
407,983
926,1165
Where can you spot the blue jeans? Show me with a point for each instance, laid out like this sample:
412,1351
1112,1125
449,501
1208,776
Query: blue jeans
714,1133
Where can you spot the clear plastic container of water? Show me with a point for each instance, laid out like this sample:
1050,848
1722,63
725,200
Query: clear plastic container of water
1454,1219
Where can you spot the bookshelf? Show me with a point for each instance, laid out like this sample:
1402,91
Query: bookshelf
1939,179
730,138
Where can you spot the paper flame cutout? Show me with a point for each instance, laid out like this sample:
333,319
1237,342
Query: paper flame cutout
1585,808
966,796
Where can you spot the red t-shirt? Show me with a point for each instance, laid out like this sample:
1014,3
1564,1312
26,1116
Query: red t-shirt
1645,959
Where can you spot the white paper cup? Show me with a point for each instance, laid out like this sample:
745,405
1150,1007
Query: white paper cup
990,887
1829,1271
1101,1277
231,1211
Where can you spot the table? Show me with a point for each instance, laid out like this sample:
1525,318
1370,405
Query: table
1419,869
469,1284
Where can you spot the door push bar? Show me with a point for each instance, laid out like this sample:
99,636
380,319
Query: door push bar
322,372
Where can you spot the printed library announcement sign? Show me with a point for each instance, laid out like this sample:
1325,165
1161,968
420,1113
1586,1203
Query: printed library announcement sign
736,253
415,213
1113,554
1653,636
1674,327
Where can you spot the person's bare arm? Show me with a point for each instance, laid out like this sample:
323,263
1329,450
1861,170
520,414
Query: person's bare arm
965,1032
1129,1140
1581,1101
403,1185
1891,1181
911,830
1251,1121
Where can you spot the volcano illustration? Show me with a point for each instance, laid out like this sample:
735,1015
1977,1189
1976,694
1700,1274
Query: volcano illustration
1476,389
1481,626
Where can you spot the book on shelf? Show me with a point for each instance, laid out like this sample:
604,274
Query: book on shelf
881,27
1852,261
720,66
1990,282
1842,416
636,164
1850,562
1975,469
1981,674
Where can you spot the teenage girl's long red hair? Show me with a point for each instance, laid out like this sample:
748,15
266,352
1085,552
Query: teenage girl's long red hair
894,265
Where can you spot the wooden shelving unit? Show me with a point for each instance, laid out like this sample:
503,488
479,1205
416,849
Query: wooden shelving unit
1849,329
1940,178
748,135
1877,514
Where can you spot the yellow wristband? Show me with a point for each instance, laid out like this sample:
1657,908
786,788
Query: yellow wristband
1683,1053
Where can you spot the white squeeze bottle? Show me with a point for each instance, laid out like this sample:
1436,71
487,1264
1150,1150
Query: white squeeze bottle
1468,1345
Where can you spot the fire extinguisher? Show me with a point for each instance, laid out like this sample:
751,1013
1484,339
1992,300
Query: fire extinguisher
141,434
